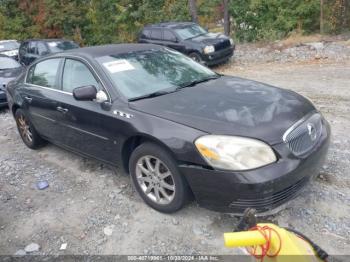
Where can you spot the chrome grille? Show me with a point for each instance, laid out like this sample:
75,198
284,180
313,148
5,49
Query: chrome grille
303,135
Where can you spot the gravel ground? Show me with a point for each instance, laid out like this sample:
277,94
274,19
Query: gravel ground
94,209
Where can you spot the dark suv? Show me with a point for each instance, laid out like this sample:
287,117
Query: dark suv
32,49
190,39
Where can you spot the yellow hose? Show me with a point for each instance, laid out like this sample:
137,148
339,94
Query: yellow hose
244,239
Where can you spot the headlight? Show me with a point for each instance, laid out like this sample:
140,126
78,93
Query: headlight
234,153
209,49
231,41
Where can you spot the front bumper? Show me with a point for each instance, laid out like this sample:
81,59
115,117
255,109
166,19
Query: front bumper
218,57
265,188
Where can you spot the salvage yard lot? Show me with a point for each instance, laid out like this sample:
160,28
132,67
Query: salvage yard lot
95,210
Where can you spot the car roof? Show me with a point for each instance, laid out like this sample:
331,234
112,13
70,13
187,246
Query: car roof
5,41
170,25
112,49
48,40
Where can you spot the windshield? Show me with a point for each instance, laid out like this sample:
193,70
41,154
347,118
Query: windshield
7,63
6,46
59,46
141,73
190,31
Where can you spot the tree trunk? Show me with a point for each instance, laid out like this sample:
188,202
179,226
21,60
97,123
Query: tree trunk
226,18
321,17
193,10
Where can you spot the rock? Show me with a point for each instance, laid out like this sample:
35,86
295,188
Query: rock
108,230
175,222
32,247
316,45
63,246
20,253
197,230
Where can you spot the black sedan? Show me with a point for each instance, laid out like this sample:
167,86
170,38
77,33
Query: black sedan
177,127
9,70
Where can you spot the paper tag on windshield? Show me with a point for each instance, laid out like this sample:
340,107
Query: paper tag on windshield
118,66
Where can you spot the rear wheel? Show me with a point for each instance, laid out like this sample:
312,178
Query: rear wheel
27,131
157,179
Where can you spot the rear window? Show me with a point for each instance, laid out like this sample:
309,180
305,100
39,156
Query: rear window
146,33
59,46
44,73
7,46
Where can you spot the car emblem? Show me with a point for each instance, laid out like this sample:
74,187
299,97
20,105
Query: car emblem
311,131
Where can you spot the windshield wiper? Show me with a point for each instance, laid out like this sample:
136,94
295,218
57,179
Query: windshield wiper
195,82
151,95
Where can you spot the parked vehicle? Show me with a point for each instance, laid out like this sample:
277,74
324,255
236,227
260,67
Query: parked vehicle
176,126
9,48
32,49
190,39
9,70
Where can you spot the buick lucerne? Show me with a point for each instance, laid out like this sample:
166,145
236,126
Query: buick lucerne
179,129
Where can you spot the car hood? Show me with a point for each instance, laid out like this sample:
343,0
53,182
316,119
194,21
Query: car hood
208,39
231,106
9,74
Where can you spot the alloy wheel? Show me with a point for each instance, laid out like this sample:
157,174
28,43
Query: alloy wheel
155,180
24,129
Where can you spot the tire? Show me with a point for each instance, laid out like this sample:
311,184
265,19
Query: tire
173,185
196,57
29,135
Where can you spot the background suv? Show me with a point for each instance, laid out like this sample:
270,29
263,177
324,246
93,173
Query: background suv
32,49
190,39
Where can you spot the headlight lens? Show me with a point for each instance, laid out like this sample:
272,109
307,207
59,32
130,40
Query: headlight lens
231,41
234,153
209,49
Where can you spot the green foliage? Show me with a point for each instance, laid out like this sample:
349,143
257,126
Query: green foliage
273,19
92,22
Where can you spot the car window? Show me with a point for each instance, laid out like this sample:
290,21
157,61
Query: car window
23,48
44,73
191,31
32,48
156,34
146,33
169,36
77,74
42,50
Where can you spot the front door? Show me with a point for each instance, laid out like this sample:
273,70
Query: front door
88,127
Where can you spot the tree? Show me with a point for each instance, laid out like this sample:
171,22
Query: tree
193,10
226,17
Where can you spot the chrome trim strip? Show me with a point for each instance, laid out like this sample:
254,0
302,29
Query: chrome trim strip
54,121
290,129
86,132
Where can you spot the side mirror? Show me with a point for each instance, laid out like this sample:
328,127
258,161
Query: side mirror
85,93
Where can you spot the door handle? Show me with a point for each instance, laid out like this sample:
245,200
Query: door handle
28,98
61,109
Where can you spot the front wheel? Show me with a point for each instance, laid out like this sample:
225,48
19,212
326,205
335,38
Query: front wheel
157,179
196,57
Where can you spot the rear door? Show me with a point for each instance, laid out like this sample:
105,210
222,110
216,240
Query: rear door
156,36
40,95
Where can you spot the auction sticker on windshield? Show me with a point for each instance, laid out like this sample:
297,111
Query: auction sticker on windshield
118,66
